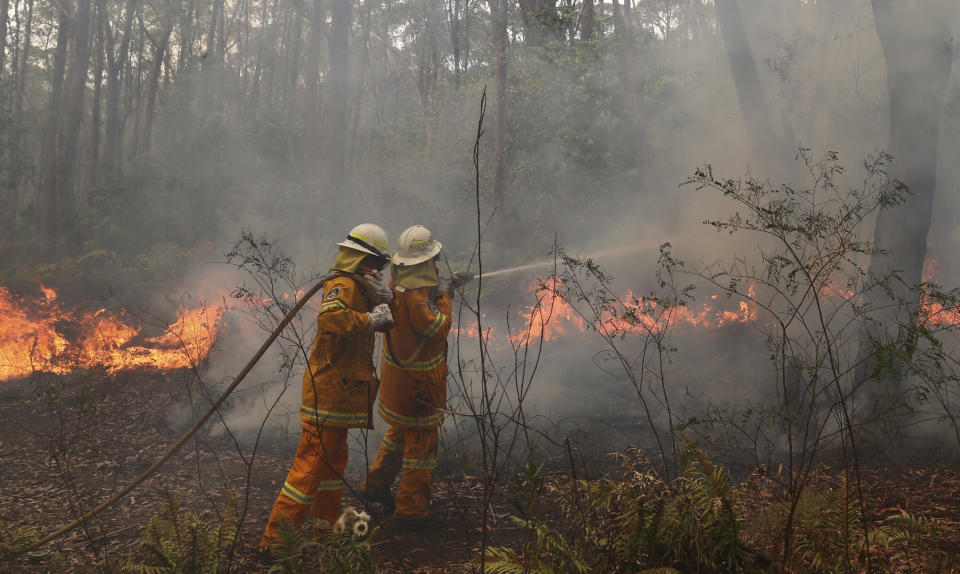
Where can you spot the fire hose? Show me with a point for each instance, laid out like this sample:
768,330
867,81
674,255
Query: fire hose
172,449
186,436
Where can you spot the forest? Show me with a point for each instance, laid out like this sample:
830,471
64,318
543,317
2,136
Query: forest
713,325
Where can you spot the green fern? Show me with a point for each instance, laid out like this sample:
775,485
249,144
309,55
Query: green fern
14,542
183,543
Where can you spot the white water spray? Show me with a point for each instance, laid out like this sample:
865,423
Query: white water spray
549,262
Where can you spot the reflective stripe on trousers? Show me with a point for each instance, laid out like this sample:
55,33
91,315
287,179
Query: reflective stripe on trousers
415,464
314,484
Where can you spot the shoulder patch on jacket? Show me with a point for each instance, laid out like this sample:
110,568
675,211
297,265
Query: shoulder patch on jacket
432,306
332,294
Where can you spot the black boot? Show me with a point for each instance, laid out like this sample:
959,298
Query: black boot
378,494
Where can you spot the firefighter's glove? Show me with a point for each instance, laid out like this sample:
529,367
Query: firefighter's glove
379,282
456,280
380,317
460,278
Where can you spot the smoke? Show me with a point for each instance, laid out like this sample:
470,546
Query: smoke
574,177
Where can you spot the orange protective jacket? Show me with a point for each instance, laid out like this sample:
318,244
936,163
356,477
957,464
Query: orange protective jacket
411,396
339,383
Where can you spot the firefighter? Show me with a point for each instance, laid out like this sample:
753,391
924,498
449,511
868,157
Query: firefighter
339,383
413,380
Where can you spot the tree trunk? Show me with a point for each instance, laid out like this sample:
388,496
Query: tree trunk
58,201
541,21
213,58
334,148
455,40
48,183
4,8
499,131
71,121
96,120
113,137
916,46
153,83
767,146
185,52
293,77
259,59
631,80
24,57
135,91
587,20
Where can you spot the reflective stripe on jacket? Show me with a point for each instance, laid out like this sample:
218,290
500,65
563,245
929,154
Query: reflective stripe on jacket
339,382
411,395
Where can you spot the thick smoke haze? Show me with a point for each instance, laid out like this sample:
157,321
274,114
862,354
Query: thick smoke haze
823,81
594,158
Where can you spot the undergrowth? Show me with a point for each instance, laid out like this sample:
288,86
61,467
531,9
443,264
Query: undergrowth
184,542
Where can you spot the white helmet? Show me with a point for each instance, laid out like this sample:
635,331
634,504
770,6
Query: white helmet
368,238
416,245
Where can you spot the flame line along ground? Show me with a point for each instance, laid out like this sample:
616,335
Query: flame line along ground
186,436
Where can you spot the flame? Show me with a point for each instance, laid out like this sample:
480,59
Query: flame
933,313
552,316
41,335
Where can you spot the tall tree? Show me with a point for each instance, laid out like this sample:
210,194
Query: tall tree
24,55
96,121
116,62
312,96
335,117
4,9
454,11
499,123
767,145
58,189
160,44
916,42
626,45
587,20
541,21
49,208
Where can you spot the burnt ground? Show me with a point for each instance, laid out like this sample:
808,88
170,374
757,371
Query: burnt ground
68,442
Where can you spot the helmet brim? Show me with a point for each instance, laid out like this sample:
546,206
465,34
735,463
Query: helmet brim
398,259
357,247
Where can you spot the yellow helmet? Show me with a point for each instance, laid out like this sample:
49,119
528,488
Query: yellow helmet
368,238
416,245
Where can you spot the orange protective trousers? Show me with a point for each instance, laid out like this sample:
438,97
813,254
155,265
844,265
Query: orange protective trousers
412,453
314,484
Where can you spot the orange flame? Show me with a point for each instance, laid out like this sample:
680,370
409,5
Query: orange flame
41,336
552,316
933,312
